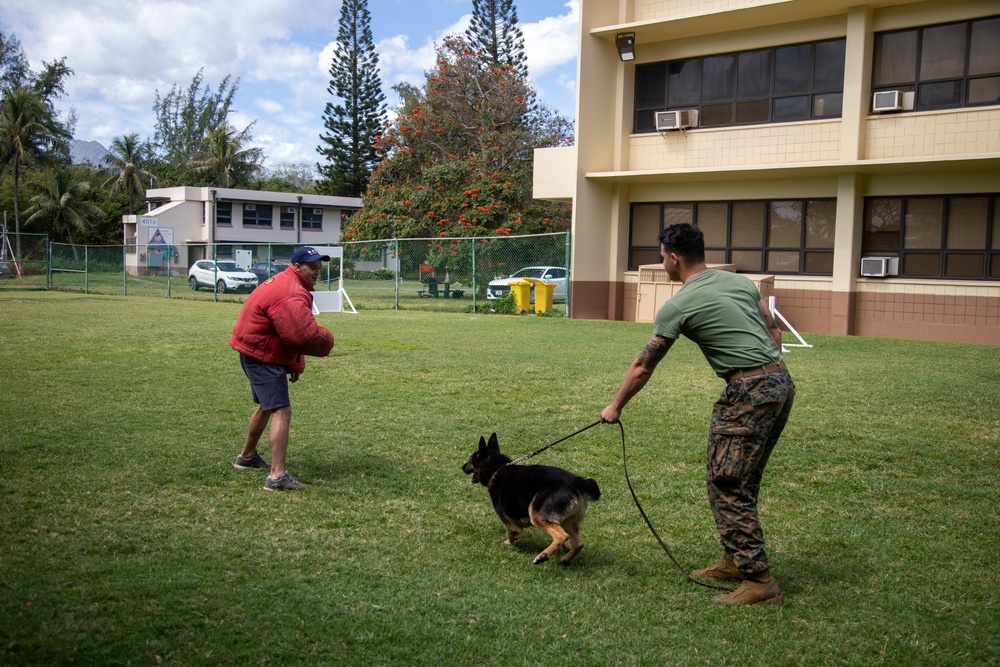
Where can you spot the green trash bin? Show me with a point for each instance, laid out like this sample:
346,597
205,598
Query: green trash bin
543,295
521,289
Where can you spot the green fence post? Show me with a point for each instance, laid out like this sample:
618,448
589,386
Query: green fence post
395,242
86,270
475,308
124,270
215,273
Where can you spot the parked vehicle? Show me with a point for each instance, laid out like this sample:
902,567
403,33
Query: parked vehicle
264,270
550,274
224,275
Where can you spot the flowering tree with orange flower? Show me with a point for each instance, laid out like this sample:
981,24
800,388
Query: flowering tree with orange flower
458,158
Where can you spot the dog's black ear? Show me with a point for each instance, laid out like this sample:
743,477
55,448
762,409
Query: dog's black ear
494,445
482,444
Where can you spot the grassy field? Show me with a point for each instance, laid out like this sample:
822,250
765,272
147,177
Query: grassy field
129,539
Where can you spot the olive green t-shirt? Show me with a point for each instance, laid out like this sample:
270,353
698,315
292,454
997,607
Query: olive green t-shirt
720,312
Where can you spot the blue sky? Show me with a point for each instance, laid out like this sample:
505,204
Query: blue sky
123,52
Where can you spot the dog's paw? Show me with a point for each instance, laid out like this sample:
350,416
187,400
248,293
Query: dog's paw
540,558
509,542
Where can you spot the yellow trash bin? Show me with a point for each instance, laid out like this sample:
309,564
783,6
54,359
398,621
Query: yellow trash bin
521,289
543,296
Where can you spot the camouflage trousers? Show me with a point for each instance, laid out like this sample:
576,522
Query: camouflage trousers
747,421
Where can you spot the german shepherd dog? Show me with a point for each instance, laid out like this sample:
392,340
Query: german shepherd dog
552,499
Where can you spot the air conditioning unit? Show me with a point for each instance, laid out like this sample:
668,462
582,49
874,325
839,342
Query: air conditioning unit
892,100
290,209
250,207
676,120
879,267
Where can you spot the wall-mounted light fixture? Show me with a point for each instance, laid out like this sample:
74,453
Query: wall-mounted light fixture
625,42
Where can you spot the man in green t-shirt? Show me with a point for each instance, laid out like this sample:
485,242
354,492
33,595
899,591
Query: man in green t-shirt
725,315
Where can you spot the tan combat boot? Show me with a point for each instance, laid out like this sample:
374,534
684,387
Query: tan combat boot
763,588
725,570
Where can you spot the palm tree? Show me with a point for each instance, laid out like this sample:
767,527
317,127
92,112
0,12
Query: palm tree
225,159
126,161
28,127
61,201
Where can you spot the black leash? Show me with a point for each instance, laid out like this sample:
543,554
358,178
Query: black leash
552,444
653,530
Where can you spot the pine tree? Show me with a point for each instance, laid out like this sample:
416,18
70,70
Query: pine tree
494,33
349,144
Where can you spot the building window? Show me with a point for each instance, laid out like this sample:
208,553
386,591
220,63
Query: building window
774,236
287,217
312,218
948,237
224,213
781,84
257,215
948,66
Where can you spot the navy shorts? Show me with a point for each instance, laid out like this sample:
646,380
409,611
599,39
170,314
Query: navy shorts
268,383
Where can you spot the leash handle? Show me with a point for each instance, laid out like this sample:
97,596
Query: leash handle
552,444
650,525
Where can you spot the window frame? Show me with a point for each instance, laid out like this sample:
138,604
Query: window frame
921,85
312,218
744,109
989,253
254,215
224,213
729,247
286,217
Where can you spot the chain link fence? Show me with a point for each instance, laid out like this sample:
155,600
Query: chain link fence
438,274
24,261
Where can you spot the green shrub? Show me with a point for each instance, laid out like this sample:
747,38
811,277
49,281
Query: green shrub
505,305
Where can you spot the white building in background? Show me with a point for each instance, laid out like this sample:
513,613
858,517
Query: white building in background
185,224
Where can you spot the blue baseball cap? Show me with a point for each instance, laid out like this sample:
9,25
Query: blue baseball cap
307,254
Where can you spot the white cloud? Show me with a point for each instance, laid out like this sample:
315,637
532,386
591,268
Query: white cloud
552,42
280,50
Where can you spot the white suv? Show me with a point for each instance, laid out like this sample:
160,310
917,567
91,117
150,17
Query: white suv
550,274
225,275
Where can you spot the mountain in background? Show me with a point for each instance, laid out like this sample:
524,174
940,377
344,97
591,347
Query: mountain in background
87,151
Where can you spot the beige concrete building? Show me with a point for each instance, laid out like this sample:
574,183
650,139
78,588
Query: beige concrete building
811,140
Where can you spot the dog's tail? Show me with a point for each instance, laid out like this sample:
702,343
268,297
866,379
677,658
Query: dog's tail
588,487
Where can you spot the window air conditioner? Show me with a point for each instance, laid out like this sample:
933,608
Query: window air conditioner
250,207
892,100
317,211
676,120
879,267
290,209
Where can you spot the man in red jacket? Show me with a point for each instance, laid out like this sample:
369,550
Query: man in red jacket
273,333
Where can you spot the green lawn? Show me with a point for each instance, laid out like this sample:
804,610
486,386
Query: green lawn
129,539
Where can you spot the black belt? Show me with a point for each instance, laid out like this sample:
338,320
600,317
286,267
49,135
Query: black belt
772,367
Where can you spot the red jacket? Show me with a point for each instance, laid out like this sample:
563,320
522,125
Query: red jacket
277,326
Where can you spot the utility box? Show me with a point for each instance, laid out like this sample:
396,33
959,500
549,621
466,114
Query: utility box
655,288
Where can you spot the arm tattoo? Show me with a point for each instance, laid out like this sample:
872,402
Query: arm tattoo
654,351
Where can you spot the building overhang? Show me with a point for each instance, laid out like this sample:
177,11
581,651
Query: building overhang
713,22
801,170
